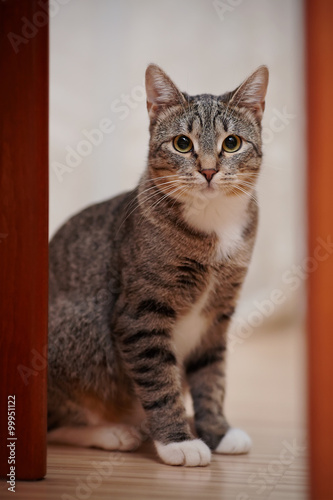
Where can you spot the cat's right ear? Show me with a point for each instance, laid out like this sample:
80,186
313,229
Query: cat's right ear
161,91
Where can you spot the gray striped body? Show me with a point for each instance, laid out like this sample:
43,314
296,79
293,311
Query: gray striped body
143,286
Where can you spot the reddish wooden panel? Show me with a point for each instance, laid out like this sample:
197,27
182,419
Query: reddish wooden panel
24,232
319,36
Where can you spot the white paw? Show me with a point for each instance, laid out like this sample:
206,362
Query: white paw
118,437
191,453
235,441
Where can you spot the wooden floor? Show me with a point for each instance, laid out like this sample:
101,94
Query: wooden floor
265,397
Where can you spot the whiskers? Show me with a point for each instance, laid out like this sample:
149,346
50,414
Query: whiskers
169,188
176,186
178,191
241,183
171,194
237,190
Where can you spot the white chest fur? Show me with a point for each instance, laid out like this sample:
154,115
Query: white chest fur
224,215
189,329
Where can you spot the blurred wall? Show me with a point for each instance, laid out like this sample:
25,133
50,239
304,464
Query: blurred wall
99,52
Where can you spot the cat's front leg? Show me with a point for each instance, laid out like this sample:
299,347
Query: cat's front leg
205,373
150,362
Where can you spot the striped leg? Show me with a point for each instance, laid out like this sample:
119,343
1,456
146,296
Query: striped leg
151,363
205,374
206,378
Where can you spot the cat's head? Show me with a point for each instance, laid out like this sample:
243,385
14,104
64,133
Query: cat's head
204,143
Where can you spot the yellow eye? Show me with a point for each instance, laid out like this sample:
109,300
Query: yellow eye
232,143
182,144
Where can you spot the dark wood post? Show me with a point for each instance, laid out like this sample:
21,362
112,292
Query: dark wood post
319,50
23,234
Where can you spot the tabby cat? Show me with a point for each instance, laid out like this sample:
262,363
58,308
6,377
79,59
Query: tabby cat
143,286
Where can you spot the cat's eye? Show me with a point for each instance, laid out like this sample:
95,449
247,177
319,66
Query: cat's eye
182,143
232,143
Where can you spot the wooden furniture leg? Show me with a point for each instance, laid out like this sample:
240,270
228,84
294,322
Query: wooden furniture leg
23,236
319,50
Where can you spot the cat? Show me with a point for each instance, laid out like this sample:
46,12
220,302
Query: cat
143,286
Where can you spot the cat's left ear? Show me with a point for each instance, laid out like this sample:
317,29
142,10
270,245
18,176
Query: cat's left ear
161,91
252,92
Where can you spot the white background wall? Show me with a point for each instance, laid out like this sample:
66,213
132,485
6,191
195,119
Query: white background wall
99,52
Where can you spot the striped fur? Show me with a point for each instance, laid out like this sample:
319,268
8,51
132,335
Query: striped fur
143,286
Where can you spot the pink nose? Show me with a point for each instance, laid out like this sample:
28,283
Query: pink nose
208,173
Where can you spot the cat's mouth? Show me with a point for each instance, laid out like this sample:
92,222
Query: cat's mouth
227,187
210,187
219,184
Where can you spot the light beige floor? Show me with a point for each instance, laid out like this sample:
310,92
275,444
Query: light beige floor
265,397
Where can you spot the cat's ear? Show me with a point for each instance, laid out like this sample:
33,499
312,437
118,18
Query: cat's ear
161,91
252,92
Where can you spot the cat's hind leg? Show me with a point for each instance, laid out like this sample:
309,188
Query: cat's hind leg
108,437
